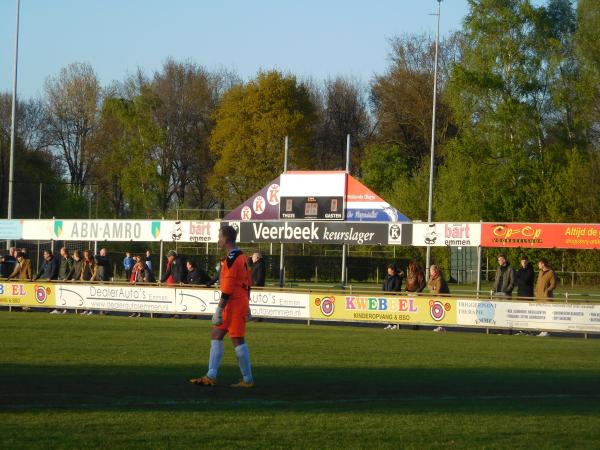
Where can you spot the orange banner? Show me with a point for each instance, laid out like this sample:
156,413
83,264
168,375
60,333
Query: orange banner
541,235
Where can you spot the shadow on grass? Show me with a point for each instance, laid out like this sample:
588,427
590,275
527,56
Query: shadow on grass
80,387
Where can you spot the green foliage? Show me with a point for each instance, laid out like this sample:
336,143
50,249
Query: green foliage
247,141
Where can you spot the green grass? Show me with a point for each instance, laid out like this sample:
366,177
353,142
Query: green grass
115,382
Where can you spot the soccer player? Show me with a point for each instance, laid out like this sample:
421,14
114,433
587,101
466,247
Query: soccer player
232,311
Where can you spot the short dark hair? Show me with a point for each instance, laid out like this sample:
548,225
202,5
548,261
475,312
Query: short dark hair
192,263
544,261
502,255
229,233
49,252
524,258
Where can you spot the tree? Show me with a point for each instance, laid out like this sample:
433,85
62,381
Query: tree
73,100
341,110
250,125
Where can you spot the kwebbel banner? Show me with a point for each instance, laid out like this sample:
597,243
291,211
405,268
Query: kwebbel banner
383,309
533,315
446,234
542,235
353,233
27,294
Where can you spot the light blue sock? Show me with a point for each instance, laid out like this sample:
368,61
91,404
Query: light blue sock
243,356
214,360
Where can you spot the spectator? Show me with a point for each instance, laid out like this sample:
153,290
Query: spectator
195,275
546,281
103,266
176,272
392,283
545,285
22,269
415,277
215,280
75,272
8,262
50,267
393,279
66,264
525,277
258,270
437,285
88,273
504,281
149,260
128,263
141,273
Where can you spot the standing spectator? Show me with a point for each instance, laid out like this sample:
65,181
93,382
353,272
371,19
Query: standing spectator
50,266
216,279
22,272
66,264
415,277
88,273
504,282
392,283
546,281
393,279
437,285
176,272
545,285
258,270
525,277
22,269
75,272
8,262
128,263
195,275
149,260
103,266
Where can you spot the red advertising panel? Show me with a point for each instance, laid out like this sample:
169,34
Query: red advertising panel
541,235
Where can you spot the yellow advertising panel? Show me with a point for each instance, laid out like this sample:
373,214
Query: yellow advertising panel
27,294
392,309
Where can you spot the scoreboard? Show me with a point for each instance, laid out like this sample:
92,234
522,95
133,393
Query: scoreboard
313,196
322,208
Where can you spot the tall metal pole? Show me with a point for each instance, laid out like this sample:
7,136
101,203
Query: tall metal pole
285,168
432,161
344,246
13,125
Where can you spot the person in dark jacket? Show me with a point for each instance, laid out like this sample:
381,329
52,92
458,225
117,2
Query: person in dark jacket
103,266
393,279
525,278
504,281
50,266
8,263
195,275
75,272
66,263
392,283
258,270
176,272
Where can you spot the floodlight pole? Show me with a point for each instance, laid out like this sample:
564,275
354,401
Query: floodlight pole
281,255
432,161
13,126
344,246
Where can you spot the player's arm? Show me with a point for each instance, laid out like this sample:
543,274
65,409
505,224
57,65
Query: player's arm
228,275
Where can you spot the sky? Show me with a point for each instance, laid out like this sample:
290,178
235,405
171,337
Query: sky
310,38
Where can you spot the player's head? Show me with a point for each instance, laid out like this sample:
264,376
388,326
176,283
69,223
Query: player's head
227,236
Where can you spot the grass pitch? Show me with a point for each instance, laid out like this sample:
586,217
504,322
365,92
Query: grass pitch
115,382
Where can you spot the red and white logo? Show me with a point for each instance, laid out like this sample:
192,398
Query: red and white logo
273,195
259,204
246,213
